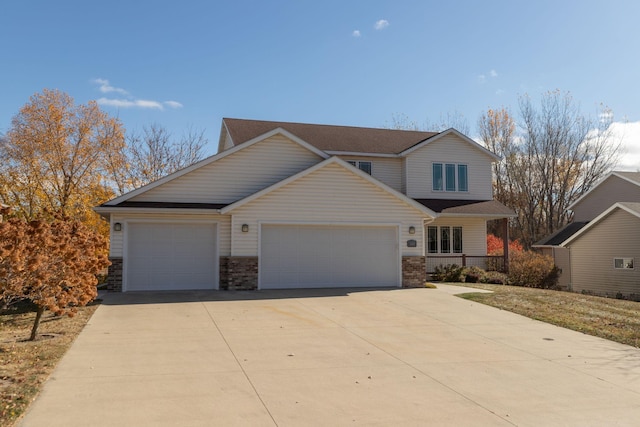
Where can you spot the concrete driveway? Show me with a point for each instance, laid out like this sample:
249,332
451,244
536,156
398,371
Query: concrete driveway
333,358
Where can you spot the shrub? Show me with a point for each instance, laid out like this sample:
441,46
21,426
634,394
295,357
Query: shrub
473,274
448,273
533,270
494,278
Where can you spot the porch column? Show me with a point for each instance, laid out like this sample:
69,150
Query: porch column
505,243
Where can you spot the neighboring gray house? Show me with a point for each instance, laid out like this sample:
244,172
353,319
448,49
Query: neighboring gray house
596,251
605,253
293,205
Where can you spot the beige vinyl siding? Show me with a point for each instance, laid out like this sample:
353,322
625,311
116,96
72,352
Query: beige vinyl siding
225,140
449,149
385,169
615,236
605,195
330,195
236,176
223,221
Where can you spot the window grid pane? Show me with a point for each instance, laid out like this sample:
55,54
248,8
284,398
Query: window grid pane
457,240
365,167
462,178
432,239
445,240
437,177
450,170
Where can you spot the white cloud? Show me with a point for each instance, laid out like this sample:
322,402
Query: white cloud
173,104
129,101
629,135
482,78
381,24
126,103
356,33
105,87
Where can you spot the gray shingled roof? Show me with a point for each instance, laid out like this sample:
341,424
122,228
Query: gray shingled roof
169,205
467,207
332,138
561,235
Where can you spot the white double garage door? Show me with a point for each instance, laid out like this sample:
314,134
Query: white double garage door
172,256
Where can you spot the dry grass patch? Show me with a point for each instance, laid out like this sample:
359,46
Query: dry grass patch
615,320
25,365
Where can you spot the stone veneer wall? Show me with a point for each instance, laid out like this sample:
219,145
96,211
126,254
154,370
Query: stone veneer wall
114,278
238,273
414,271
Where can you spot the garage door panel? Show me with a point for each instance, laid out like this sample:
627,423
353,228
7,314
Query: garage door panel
171,256
294,256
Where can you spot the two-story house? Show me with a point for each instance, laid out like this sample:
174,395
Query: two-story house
598,251
292,205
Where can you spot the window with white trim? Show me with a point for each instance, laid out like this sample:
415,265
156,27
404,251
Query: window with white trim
450,177
444,239
364,166
623,263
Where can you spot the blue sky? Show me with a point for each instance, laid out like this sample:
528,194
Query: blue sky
359,63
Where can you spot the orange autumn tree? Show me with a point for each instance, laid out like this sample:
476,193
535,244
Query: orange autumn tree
495,245
51,263
60,157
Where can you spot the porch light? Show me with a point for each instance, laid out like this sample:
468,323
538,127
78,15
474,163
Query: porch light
245,228
412,230
117,226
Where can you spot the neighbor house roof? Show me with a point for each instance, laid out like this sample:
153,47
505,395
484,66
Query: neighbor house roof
447,207
629,176
631,207
632,177
330,137
561,235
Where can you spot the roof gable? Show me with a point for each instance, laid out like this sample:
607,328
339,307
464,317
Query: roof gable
326,163
332,138
215,158
451,131
630,207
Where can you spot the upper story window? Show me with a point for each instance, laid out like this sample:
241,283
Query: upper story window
362,165
450,177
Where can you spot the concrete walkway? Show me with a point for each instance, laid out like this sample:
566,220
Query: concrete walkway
333,358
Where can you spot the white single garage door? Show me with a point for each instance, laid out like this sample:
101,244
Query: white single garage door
171,256
305,256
